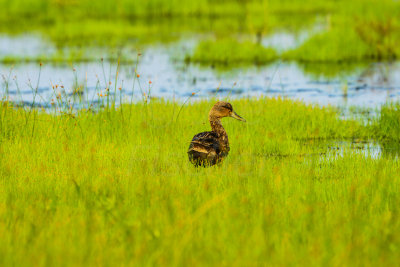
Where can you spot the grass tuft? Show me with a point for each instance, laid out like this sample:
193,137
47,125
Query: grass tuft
231,52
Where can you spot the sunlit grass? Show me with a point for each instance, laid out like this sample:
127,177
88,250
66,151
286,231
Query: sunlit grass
115,187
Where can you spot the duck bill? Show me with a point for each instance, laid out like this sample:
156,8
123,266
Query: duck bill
236,116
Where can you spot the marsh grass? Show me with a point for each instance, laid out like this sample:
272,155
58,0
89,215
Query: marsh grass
387,124
337,45
232,52
115,186
347,45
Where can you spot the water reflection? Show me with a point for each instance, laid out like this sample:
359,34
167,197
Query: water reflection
326,149
365,148
368,148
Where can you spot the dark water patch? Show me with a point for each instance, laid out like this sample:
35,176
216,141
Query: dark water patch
26,104
360,87
227,91
42,89
307,90
274,91
254,88
22,92
323,82
12,93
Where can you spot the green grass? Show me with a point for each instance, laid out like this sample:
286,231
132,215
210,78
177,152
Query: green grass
231,52
338,45
347,45
115,187
387,125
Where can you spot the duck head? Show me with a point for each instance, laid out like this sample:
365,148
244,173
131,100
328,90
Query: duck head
223,109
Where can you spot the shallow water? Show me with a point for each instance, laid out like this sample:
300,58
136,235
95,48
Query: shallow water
327,150
334,149
368,85
366,148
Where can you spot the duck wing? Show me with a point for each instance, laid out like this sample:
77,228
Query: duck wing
205,142
204,147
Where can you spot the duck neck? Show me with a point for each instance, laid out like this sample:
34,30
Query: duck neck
216,126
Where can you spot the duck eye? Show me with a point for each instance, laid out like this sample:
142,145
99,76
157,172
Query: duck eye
228,107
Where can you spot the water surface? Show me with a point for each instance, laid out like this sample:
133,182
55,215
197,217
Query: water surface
366,85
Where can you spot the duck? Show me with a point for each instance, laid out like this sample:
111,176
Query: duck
210,148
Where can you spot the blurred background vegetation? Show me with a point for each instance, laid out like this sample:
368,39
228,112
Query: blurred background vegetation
337,30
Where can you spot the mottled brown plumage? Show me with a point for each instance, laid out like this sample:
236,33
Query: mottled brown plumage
210,148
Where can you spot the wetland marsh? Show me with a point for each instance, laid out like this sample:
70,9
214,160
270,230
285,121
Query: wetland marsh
99,102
